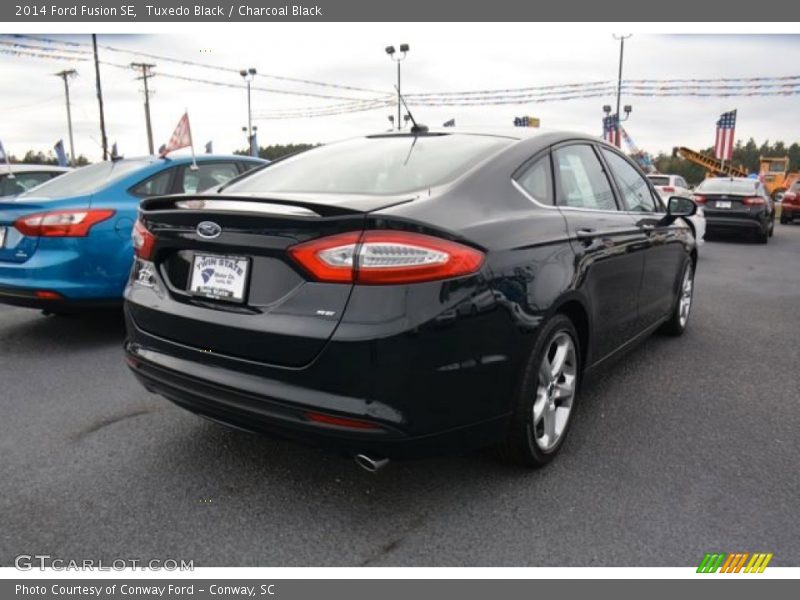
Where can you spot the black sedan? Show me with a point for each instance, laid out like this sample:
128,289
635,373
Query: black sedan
737,205
405,294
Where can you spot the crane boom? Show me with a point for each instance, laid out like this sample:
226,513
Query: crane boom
713,165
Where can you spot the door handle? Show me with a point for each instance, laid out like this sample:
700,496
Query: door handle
586,232
647,227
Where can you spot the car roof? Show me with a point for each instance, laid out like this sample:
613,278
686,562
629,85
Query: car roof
516,133
23,168
188,158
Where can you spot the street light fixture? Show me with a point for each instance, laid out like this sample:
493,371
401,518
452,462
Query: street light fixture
404,48
248,75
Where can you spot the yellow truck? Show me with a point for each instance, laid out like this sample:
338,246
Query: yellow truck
774,172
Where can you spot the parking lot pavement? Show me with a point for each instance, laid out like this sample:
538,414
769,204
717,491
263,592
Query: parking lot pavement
685,446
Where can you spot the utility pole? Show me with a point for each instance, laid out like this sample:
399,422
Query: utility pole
621,39
146,74
66,75
100,98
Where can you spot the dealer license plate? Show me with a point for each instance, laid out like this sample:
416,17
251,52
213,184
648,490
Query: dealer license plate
219,277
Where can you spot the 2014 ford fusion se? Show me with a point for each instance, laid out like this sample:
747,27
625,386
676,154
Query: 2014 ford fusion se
408,293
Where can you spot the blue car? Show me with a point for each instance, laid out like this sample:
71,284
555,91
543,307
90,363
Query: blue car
67,244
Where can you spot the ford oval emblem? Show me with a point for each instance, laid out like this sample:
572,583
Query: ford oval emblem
208,230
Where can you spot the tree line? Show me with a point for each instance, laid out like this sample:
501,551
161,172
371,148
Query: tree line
32,157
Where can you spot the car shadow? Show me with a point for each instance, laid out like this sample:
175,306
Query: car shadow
731,238
28,328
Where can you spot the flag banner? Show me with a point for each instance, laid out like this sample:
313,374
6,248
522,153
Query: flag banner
209,147
181,137
60,154
254,145
450,123
611,132
114,151
726,129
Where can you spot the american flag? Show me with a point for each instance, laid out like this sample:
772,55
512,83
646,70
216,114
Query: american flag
611,130
726,128
181,137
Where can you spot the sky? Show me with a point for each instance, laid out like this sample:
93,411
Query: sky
443,57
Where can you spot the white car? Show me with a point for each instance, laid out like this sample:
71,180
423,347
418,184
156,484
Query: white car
26,177
675,185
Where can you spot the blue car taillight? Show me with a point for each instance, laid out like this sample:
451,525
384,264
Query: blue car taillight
61,223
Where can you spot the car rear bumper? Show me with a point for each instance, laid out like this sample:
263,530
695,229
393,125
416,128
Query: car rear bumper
74,276
715,223
30,298
278,401
790,211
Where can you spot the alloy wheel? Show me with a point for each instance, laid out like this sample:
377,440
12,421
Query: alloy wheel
556,391
685,300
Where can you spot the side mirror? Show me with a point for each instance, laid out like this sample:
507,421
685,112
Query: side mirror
680,207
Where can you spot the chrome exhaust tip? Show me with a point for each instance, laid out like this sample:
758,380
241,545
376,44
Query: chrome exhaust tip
373,465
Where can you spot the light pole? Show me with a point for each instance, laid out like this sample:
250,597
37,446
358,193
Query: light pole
621,39
66,76
248,75
404,48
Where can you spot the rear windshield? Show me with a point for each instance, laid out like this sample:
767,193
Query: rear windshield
733,187
659,180
86,180
375,165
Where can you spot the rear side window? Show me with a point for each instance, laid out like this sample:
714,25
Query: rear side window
581,180
537,181
206,176
659,180
391,164
156,185
633,186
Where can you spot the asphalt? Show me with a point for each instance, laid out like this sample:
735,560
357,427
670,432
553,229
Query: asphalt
686,446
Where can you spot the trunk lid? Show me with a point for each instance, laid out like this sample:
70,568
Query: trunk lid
283,317
727,204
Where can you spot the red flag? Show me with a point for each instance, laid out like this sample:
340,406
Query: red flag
181,137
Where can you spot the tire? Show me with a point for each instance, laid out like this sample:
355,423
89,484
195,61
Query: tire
762,237
771,227
534,439
784,220
679,318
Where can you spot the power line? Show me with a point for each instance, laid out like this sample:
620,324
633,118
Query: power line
206,65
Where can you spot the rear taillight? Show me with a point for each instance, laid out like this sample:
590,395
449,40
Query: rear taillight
789,198
61,223
668,188
699,199
754,201
385,257
143,241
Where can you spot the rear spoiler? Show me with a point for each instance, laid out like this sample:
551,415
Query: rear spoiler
279,204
